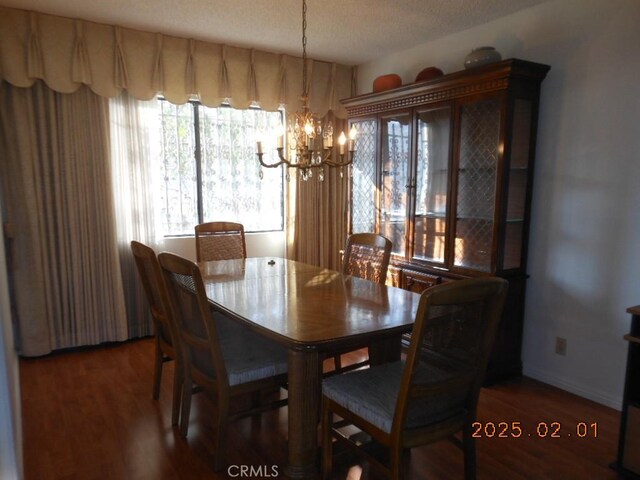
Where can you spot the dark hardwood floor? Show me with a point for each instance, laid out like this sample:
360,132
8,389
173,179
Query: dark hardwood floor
89,415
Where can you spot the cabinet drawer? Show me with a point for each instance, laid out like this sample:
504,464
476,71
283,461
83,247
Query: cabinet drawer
418,282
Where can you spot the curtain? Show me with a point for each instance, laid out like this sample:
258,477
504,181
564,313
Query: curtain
71,54
132,151
67,53
56,193
318,213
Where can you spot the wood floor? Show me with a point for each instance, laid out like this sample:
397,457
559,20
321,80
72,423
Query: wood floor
89,415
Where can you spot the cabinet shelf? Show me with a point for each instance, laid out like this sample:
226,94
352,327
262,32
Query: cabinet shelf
632,338
474,218
487,170
432,215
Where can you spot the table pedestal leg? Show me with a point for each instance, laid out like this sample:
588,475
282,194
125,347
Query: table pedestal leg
304,401
385,350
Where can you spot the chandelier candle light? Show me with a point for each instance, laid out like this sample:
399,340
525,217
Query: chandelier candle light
310,142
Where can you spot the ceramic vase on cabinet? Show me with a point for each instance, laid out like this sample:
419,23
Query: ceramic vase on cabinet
481,56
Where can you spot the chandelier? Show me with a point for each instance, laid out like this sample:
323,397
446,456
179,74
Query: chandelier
310,142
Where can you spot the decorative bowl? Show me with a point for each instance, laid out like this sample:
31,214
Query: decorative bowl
429,73
386,82
481,56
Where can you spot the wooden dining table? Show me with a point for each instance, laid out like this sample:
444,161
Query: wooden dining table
313,312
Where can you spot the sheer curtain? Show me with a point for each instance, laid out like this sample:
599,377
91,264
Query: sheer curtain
58,209
133,123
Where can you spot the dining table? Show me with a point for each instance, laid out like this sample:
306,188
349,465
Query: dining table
313,312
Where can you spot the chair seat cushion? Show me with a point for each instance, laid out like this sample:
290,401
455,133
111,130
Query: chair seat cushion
372,394
247,355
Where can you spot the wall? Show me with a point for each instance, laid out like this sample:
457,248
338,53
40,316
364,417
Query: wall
10,425
584,257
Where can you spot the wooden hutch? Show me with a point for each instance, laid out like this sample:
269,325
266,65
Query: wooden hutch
444,169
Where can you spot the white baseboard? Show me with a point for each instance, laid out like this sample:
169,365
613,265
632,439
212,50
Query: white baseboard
589,393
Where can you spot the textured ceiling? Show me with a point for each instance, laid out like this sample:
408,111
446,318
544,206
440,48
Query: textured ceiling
345,31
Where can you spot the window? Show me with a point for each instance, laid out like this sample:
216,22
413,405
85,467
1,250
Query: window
208,170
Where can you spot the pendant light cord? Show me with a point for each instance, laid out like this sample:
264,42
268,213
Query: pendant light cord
305,92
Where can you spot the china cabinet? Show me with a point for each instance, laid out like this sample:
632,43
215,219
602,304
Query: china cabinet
444,170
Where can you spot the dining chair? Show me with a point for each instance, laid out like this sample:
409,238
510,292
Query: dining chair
432,394
366,255
165,350
220,241
219,356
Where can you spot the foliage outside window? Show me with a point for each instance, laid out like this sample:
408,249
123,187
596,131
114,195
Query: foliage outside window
209,171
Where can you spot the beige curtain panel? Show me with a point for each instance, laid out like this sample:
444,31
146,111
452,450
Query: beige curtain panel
56,187
67,53
318,214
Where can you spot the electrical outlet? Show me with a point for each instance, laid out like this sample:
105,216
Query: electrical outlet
561,346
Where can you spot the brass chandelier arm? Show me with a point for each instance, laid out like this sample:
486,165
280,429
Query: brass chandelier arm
342,162
283,161
325,162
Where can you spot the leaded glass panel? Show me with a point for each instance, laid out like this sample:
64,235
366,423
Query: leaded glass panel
477,175
363,193
396,151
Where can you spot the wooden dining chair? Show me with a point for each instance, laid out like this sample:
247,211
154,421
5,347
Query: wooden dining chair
219,356
220,241
366,255
165,350
431,395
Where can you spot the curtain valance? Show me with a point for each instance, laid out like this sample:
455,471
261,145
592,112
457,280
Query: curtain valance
67,53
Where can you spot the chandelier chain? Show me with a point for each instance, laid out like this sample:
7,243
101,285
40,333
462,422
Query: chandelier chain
310,141
305,90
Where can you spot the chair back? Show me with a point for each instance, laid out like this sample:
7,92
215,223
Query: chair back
190,311
453,334
367,256
154,288
220,241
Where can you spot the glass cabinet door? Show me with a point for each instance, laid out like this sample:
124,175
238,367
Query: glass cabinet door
479,146
395,152
431,183
364,179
